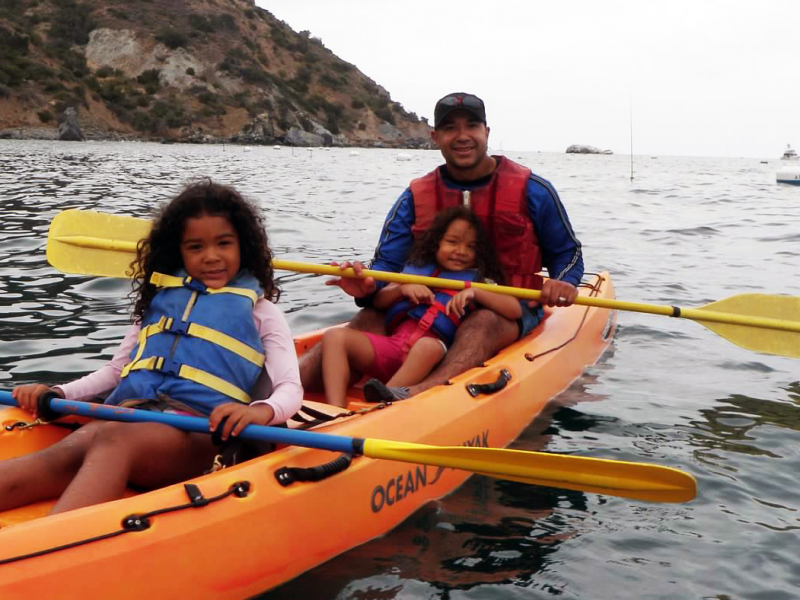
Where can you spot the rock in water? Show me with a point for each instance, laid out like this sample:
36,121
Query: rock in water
69,130
585,149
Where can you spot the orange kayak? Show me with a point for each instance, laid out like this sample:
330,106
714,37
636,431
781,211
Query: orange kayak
254,532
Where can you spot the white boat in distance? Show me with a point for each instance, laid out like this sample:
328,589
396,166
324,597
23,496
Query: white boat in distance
789,153
788,174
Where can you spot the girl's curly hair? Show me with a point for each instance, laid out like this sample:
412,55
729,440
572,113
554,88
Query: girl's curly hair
160,251
486,262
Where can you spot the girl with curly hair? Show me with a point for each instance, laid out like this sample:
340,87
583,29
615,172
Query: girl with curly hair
421,321
206,340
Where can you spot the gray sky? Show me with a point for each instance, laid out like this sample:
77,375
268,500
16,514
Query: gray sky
699,77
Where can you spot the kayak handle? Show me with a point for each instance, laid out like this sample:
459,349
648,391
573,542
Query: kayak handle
476,389
288,475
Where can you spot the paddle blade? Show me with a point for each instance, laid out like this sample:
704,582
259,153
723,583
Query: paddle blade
653,483
752,336
92,243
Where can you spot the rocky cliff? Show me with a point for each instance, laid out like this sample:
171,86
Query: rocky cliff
185,70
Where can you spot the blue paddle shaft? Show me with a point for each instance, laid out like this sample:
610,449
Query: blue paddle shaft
276,435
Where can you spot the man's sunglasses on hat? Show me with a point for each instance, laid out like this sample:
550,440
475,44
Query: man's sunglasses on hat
461,100
452,102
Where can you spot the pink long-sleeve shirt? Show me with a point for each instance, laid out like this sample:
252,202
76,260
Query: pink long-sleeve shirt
278,385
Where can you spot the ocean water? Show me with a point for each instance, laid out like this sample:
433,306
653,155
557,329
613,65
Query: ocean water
684,231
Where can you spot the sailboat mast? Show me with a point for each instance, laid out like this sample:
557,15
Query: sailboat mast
630,105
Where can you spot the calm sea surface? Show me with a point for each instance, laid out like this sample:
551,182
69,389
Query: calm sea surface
685,232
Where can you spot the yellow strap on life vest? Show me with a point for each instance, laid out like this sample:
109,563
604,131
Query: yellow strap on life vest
144,333
227,342
189,306
170,281
199,331
155,363
215,383
162,280
247,293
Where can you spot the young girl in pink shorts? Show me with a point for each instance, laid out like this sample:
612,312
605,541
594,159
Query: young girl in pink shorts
421,321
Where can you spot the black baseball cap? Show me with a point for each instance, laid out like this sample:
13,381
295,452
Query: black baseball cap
456,101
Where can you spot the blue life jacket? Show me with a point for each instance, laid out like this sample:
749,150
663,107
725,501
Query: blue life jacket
431,316
197,345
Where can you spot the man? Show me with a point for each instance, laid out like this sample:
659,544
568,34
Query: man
521,211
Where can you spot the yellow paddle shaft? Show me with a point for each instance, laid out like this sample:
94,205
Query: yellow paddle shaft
696,314
87,241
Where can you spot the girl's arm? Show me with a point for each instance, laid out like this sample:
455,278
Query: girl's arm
279,386
505,306
417,293
86,388
387,296
107,377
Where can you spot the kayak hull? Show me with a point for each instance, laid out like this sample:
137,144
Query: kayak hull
245,543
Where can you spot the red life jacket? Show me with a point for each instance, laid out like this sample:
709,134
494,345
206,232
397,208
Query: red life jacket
501,206
431,316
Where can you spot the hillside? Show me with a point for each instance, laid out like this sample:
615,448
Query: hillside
186,70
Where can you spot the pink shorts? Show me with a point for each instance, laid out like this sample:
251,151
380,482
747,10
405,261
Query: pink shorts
390,350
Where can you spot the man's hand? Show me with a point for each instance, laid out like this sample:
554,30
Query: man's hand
356,287
558,293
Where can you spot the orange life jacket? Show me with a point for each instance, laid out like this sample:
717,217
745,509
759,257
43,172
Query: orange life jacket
501,205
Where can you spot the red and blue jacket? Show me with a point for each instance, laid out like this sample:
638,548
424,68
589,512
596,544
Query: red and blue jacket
559,249
431,316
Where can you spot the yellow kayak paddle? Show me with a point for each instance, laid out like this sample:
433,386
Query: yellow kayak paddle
92,243
653,483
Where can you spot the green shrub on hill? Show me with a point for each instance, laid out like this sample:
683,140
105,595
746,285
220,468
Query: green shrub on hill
14,65
142,121
201,23
75,62
331,81
172,38
66,98
226,21
151,77
71,23
301,80
119,14
51,86
10,10
334,118
342,67
385,113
